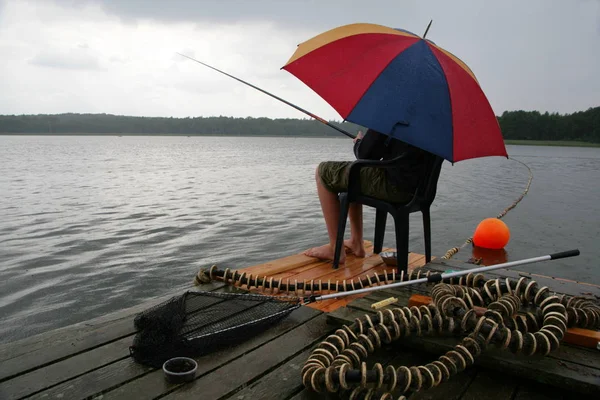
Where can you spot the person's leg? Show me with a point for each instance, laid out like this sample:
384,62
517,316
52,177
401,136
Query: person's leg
330,205
356,243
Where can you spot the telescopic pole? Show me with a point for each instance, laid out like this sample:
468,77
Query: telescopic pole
434,278
321,120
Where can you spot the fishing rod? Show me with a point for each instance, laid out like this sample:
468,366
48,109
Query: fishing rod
276,97
434,278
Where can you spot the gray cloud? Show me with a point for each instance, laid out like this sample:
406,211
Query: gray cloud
534,54
282,12
71,60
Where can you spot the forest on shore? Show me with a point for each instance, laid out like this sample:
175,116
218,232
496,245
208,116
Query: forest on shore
582,126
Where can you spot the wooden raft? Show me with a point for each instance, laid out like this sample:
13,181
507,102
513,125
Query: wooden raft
300,267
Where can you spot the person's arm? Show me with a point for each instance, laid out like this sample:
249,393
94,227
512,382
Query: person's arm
371,146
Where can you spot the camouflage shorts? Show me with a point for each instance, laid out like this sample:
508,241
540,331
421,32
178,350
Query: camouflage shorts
373,181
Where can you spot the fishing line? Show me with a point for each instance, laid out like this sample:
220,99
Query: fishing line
450,253
316,117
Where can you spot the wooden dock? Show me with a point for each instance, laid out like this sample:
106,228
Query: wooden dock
91,360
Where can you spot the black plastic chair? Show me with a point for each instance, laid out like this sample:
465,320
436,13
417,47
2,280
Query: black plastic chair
421,201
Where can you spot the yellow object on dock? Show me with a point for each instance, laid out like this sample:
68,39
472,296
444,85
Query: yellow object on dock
383,303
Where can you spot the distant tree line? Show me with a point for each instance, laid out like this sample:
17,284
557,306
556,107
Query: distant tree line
117,124
532,125
527,125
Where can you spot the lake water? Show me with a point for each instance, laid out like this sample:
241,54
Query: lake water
90,224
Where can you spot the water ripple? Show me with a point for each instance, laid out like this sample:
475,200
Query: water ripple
91,225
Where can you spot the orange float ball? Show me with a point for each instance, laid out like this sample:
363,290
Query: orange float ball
491,233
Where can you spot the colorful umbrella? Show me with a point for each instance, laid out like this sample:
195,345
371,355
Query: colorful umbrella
400,84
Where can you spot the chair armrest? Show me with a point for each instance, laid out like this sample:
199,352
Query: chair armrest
356,166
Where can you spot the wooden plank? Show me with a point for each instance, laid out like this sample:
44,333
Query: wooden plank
349,274
280,265
322,270
39,379
286,381
36,342
318,269
237,374
490,386
281,383
306,394
153,384
355,267
449,390
534,391
74,366
95,382
290,264
35,352
564,374
333,304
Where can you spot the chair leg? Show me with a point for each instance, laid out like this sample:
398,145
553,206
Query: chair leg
380,220
401,222
427,233
339,240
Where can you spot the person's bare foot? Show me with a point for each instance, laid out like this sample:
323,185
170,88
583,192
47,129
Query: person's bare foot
324,252
356,247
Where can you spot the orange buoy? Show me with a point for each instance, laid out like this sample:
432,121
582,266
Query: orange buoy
491,233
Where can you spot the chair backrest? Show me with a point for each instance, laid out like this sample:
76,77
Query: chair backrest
428,187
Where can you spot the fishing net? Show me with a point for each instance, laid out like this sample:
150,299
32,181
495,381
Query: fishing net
197,323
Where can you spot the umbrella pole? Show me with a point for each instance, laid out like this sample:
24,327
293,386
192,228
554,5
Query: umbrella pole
321,120
427,30
434,278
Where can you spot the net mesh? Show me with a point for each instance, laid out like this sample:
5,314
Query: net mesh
197,323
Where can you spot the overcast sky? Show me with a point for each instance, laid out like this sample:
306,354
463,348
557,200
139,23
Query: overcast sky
118,56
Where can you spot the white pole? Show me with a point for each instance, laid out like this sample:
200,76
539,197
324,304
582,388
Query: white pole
439,277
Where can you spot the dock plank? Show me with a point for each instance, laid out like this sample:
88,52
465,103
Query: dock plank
286,381
153,384
306,394
237,374
532,391
490,386
25,355
95,382
39,341
39,379
281,383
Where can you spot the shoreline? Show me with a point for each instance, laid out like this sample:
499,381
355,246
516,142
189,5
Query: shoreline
520,142
563,143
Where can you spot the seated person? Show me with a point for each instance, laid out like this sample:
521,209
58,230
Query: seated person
395,185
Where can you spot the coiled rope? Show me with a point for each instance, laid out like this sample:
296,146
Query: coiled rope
337,364
307,287
450,253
